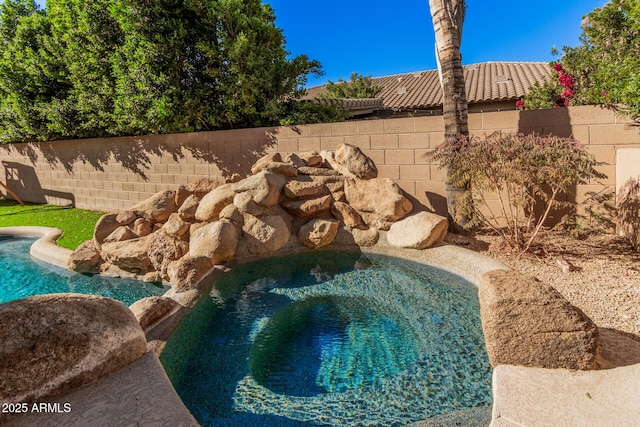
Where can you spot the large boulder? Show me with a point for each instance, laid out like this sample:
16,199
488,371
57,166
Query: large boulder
158,207
217,241
265,234
318,233
53,343
86,258
380,197
130,255
164,249
419,231
213,202
529,323
352,162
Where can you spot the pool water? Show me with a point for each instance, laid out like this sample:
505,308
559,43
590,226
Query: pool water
334,339
22,276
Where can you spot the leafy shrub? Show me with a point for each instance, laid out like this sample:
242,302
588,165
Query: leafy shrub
522,172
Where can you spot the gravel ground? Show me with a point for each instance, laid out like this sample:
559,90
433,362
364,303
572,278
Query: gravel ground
605,283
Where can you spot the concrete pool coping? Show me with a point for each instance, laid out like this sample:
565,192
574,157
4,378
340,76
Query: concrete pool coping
522,396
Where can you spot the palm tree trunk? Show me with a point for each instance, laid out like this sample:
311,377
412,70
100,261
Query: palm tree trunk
448,16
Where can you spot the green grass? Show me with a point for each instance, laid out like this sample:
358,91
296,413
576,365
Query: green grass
77,224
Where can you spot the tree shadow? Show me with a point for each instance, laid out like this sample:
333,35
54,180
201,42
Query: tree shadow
231,151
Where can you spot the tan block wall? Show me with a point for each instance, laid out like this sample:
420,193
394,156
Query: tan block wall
115,173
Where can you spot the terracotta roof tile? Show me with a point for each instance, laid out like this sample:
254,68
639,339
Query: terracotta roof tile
488,81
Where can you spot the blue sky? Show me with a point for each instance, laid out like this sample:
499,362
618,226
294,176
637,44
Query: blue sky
379,38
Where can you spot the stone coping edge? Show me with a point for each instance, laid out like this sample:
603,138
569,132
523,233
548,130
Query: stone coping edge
45,248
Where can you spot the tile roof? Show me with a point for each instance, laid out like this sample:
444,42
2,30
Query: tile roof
485,82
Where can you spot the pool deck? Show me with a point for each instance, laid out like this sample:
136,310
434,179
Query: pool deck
141,393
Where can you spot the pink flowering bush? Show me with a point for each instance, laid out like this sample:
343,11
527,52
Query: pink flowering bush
554,93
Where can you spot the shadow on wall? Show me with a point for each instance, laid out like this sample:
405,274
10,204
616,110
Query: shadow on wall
555,122
24,182
231,151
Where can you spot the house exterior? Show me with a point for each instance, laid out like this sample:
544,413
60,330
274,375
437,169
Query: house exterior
491,86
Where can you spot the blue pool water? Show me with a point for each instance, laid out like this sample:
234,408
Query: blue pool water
21,276
331,339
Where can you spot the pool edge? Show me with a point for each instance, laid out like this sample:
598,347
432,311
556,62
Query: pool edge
45,248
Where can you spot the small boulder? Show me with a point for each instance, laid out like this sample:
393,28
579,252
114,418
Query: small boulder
349,216
164,249
176,227
105,225
317,171
217,241
350,161
265,160
318,233
86,258
311,158
246,205
308,208
419,231
152,309
298,189
126,217
212,204
265,187
282,168
158,207
142,227
348,236
188,208
53,343
528,323
265,234
121,234
295,160
182,194
202,186
368,237
187,272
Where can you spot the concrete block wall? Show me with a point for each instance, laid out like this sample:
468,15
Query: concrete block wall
115,173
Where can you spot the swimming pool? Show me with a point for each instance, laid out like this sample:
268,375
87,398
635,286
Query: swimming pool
337,339
22,276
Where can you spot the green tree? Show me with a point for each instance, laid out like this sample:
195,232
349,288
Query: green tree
358,87
122,67
606,65
84,38
31,78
